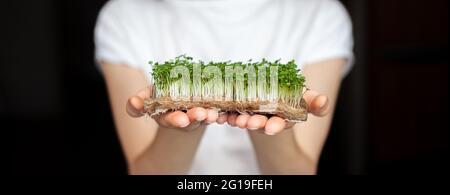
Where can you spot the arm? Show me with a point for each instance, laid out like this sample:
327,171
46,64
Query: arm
149,144
165,145
295,149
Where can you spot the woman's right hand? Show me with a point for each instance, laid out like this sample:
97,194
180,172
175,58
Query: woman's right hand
185,121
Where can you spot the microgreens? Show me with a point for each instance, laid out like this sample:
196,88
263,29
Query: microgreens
230,81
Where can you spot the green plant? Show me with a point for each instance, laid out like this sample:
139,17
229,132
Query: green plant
230,86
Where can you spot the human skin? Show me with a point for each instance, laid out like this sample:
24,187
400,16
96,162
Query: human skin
166,144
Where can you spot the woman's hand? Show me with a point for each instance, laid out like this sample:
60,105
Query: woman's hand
186,121
317,105
195,117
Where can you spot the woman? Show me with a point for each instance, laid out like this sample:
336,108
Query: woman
129,33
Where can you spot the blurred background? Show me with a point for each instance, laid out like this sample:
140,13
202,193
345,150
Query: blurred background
391,118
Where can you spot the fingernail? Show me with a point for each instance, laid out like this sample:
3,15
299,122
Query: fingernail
252,128
199,118
183,123
269,133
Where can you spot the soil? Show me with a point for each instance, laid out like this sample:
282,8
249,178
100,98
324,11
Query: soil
292,114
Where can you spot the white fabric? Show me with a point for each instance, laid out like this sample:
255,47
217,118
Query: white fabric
133,32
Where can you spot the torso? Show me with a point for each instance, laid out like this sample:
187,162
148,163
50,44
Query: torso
221,30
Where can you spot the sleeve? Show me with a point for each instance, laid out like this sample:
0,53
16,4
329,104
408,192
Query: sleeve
332,35
110,37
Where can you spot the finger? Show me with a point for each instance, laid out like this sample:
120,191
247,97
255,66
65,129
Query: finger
320,105
241,120
232,119
135,106
197,114
145,92
256,121
212,115
317,103
274,125
175,119
223,117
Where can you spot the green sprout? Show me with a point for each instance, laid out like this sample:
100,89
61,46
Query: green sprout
186,79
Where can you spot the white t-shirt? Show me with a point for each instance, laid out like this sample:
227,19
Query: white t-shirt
133,32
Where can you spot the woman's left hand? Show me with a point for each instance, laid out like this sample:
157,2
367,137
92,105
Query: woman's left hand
317,105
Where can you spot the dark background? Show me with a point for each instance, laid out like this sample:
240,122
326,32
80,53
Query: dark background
392,113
